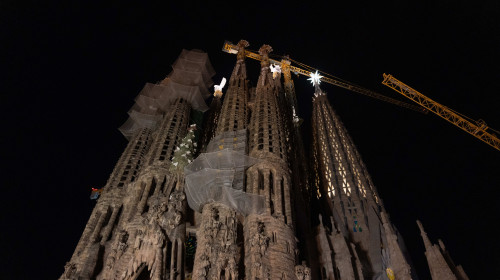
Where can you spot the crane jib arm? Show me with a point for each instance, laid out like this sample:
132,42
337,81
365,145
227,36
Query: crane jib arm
231,48
477,130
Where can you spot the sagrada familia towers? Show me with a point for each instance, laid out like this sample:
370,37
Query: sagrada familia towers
235,196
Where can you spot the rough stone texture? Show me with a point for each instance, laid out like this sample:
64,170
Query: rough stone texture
234,111
397,261
440,263
131,160
210,122
270,248
217,255
170,132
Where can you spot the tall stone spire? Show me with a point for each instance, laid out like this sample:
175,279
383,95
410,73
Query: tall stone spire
233,116
269,238
210,122
438,266
457,270
342,179
267,134
219,221
346,188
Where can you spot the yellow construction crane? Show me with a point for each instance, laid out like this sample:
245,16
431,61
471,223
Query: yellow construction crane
476,128
287,68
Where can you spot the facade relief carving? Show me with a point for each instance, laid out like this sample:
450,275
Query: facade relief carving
302,272
218,253
175,214
152,231
258,247
69,270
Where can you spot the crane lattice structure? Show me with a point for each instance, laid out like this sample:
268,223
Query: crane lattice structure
286,68
477,129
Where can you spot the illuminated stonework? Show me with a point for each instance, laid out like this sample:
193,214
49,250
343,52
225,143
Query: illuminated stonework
246,206
346,187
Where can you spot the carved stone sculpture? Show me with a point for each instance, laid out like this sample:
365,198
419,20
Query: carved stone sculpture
69,270
299,272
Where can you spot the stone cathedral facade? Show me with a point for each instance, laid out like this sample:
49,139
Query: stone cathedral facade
234,196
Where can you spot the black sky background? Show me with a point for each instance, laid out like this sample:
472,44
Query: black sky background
69,72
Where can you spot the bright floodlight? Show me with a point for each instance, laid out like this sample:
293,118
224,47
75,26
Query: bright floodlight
315,78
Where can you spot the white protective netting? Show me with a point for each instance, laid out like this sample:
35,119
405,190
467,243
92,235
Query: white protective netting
189,60
192,94
210,178
190,79
129,128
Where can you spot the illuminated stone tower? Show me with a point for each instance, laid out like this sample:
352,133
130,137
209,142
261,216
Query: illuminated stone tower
218,252
269,238
358,234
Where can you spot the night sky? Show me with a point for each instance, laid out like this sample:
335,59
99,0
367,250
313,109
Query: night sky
70,72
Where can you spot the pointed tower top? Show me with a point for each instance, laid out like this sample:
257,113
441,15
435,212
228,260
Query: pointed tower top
242,44
264,51
240,70
441,244
420,226
427,242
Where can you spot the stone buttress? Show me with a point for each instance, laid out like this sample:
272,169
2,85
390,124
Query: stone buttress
270,242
